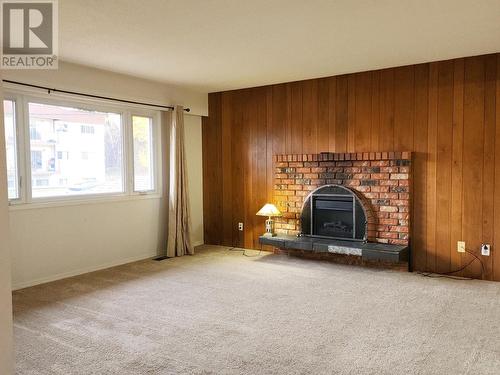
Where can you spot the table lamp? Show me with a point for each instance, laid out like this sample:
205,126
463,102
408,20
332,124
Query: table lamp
269,210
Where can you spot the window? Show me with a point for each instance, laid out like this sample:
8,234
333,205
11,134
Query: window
11,145
73,151
105,140
62,155
42,182
34,134
36,159
86,129
143,153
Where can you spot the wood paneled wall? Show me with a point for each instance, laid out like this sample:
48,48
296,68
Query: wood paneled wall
447,113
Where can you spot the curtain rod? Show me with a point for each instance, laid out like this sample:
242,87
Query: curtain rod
49,90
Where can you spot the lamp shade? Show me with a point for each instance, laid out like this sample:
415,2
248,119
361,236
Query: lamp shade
269,210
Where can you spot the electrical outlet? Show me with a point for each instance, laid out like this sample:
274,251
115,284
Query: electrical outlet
240,226
461,246
485,249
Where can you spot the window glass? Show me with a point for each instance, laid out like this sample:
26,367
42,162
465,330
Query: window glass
74,151
11,148
143,153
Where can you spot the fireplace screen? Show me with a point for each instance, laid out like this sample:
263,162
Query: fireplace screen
333,216
333,211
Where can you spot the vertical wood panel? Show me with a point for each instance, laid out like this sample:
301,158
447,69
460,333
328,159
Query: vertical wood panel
296,119
288,110
248,152
309,116
341,123
227,181
238,166
279,119
496,203
457,163
386,114
363,112
323,111
351,113
251,127
473,156
419,227
403,108
332,114
447,113
270,141
431,168
375,113
212,171
489,158
443,165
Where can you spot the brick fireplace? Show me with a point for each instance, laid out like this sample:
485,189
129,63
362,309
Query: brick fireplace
382,181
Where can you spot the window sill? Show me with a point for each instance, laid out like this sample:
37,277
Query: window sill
80,202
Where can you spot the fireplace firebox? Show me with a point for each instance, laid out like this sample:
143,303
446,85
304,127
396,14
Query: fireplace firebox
334,211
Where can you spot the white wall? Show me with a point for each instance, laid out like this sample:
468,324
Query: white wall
55,242
52,243
5,283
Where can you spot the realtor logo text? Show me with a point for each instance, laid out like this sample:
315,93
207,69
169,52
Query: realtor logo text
29,34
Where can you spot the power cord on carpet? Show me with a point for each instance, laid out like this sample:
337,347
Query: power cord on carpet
236,248
449,275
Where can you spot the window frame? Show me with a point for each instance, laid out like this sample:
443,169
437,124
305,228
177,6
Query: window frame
22,98
19,115
155,144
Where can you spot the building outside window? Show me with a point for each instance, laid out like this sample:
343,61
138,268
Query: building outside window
59,128
36,160
86,129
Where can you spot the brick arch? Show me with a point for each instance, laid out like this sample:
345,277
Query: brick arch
364,204
371,219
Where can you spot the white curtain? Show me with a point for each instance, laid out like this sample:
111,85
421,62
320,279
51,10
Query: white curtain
179,241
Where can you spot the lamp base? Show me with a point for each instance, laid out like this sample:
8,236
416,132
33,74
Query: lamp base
269,228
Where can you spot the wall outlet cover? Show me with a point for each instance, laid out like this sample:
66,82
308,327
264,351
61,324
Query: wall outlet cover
485,249
240,226
461,246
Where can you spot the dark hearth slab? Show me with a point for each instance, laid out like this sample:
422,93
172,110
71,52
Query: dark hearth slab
368,250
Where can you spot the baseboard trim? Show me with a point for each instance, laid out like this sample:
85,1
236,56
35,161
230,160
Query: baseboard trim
81,271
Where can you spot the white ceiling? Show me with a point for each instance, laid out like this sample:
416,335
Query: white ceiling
213,45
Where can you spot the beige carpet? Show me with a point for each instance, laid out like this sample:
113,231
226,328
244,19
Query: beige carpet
219,312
